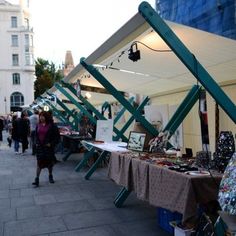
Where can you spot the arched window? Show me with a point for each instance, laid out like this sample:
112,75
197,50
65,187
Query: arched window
16,78
17,99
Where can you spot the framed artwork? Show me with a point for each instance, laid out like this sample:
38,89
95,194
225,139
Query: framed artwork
136,141
104,130
157,115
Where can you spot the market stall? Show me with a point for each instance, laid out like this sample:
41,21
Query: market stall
152,180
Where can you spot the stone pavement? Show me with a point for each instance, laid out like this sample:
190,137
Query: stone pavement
71,206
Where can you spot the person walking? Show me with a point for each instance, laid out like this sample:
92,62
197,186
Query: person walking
34,119
23,127
1,127
14,133
45,145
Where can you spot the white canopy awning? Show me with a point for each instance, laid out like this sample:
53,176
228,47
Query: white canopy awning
156,72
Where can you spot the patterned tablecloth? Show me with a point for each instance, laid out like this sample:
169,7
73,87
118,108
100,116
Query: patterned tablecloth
162,187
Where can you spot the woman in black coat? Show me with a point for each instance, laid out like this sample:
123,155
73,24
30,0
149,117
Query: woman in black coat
46,140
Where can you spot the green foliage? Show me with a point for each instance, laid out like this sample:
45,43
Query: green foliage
46,75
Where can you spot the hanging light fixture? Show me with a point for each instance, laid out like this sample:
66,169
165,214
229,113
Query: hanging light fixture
134,53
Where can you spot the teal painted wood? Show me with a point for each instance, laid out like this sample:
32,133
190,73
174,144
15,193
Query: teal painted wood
188,104
123,189
122,111
75,122
66,121
113,91
86,157
106,105
138,110
67,155
182,109
188,59
76,103
120,199
55,111
67,110
89,106
95,165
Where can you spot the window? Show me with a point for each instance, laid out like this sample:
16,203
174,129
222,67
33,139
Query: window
17,99
27,43
14,40
29,60
31,41
27,40
27,23
15,59
16,78
14,22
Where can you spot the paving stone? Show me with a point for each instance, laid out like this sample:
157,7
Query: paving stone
1,229
4,203
14,193
89,219
4,185
94,231
29,191
4,193
34,226
29,212
140,228
102,203
22,202
64,208
7,215
72,206
44,199
135,212
65,197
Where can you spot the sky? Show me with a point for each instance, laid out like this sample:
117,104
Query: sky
80,26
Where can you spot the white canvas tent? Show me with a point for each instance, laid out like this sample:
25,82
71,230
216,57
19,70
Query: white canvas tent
157,72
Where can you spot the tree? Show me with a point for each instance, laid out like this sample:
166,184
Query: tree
46,75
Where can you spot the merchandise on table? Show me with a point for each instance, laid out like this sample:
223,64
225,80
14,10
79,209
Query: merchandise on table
224,150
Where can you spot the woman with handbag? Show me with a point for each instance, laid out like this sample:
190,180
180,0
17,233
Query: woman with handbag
45,145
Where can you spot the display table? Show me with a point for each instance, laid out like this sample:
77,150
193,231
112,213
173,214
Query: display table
72,143
160,186
104,148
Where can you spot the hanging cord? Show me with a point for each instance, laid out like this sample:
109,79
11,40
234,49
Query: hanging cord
155,50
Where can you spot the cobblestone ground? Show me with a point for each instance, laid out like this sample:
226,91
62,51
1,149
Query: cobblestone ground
71,206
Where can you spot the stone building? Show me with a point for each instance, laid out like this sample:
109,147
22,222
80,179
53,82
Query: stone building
17,57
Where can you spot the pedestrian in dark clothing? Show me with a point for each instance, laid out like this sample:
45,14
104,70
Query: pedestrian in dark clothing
1,127
23,129
34,119
45,145
14,134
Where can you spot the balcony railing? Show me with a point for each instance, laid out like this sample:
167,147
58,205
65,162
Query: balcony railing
26,29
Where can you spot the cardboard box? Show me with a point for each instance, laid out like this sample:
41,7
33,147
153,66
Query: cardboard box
182,232
164,218
178,231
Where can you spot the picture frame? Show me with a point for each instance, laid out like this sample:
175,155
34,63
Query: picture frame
136,141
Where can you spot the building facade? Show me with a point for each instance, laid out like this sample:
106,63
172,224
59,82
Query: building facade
214,16
17,58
